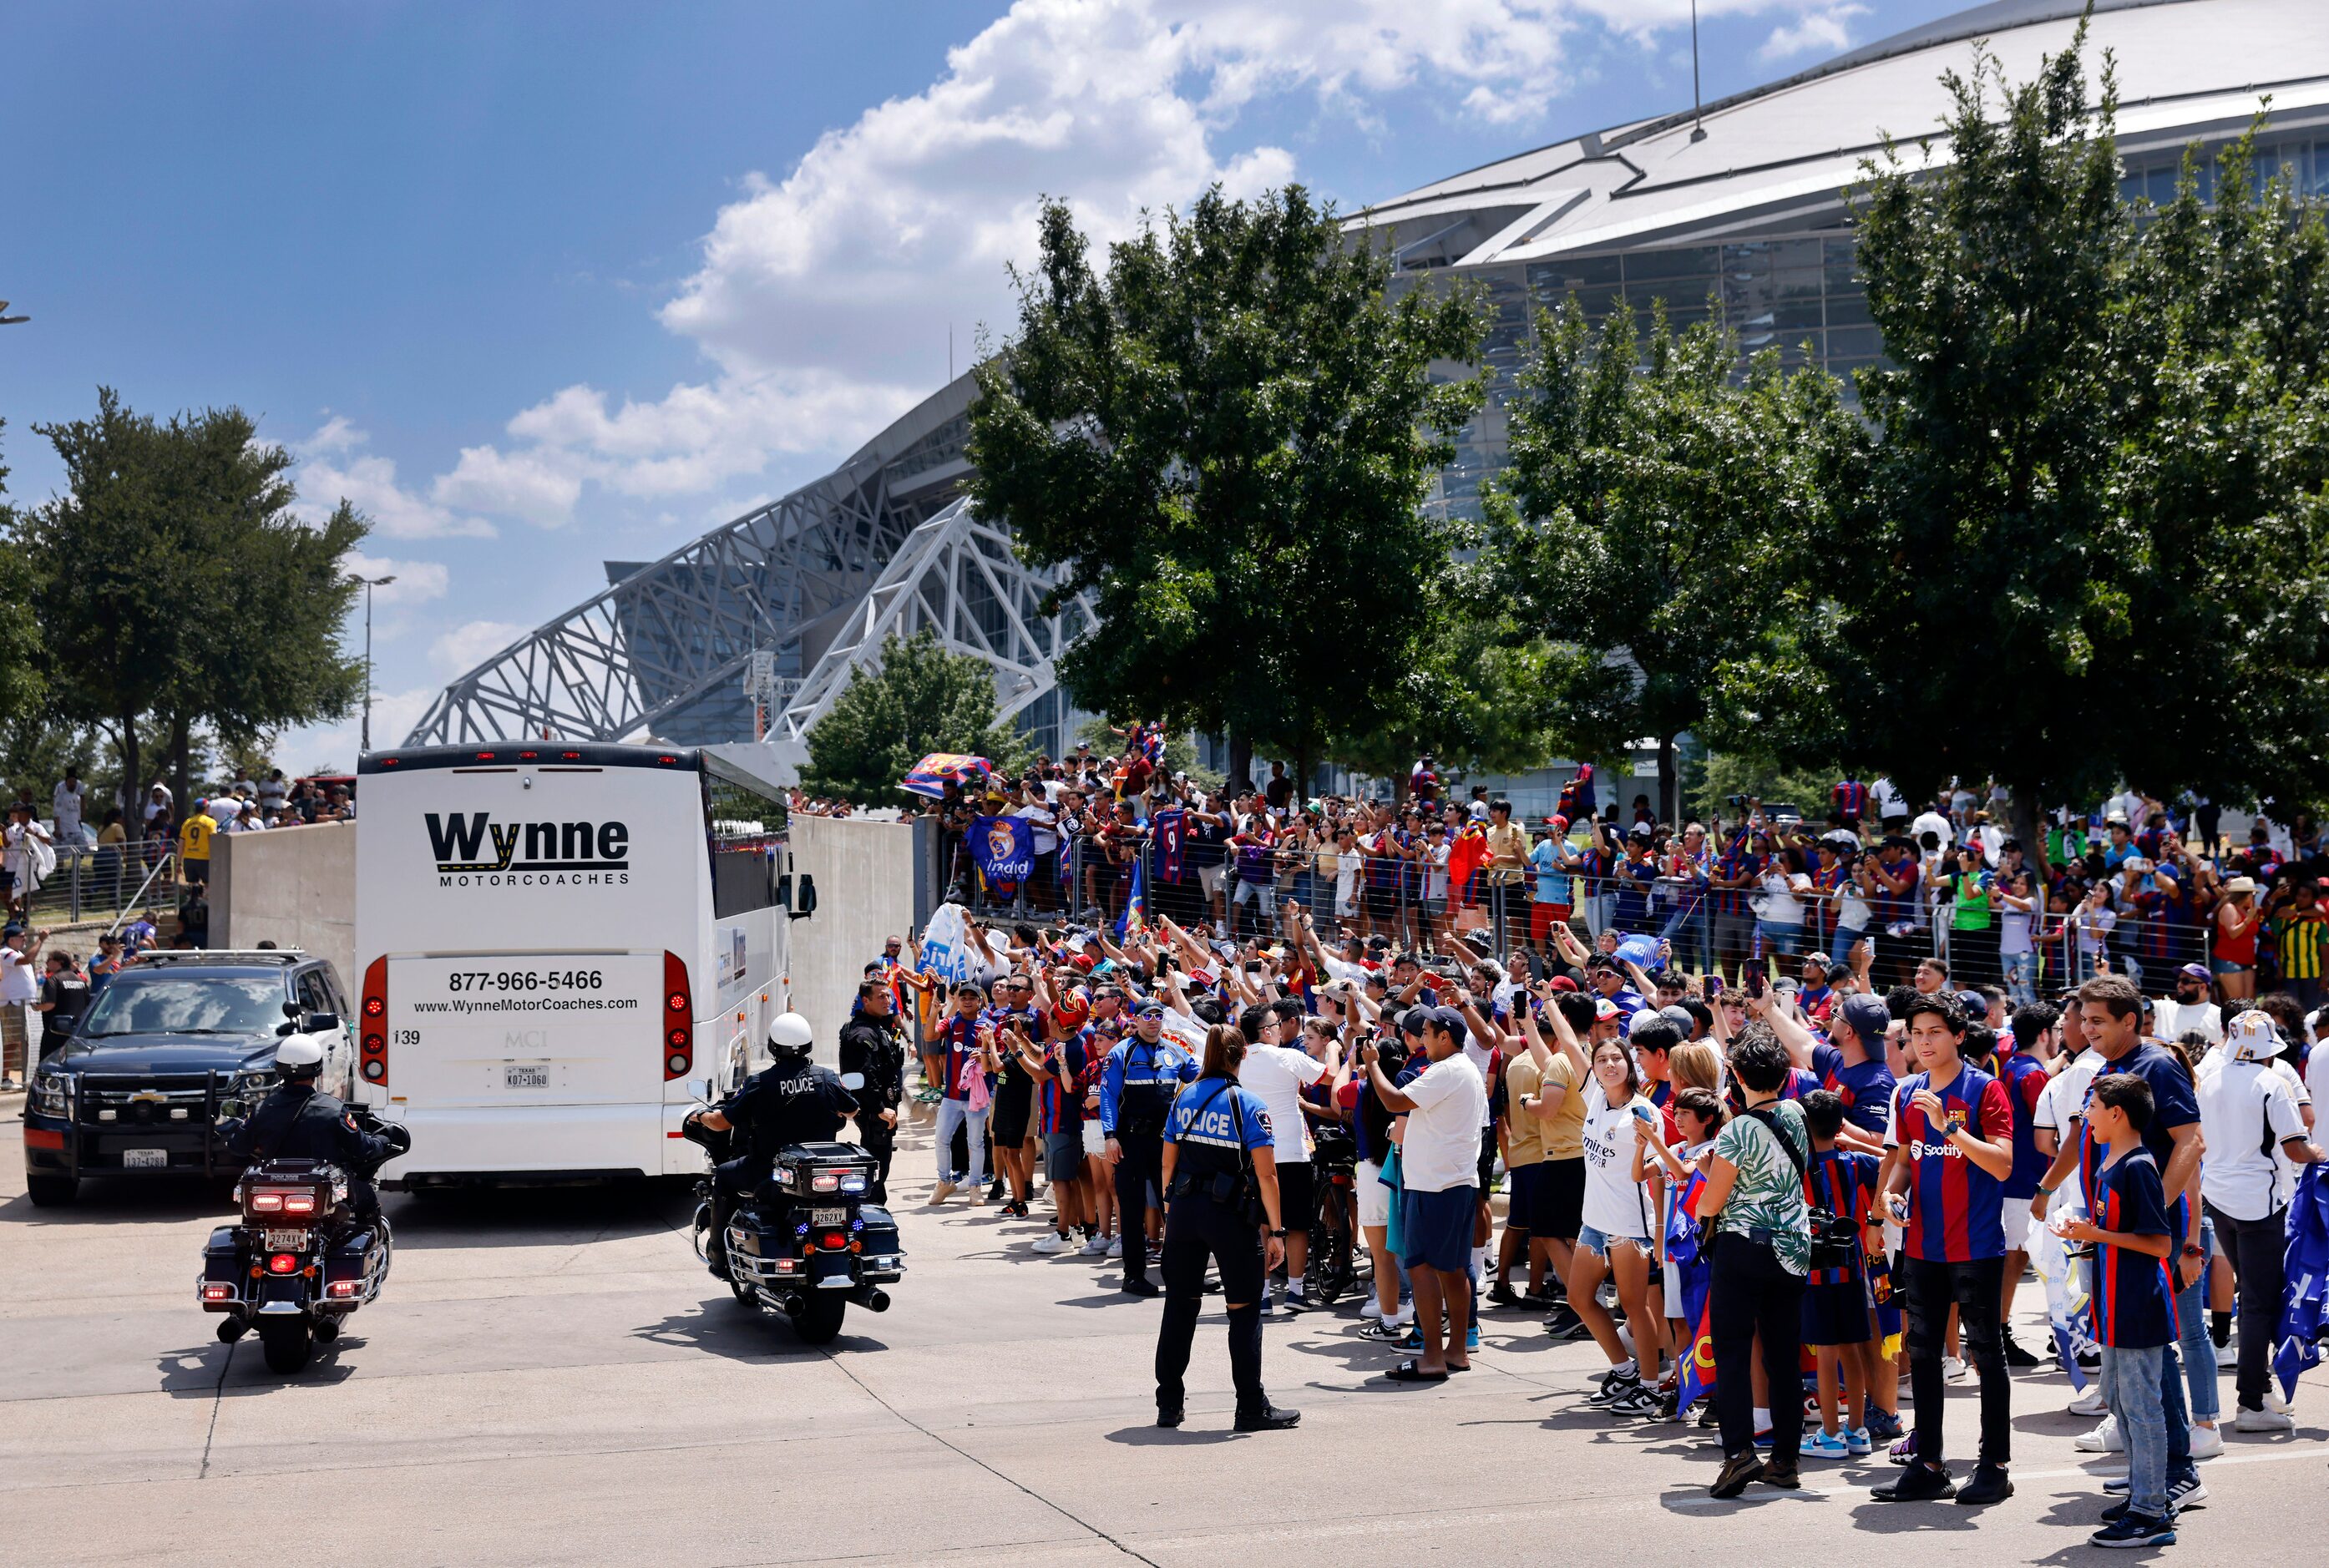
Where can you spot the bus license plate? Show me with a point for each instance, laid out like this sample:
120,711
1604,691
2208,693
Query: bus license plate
828,1217
287,1241
145,1159
525,1077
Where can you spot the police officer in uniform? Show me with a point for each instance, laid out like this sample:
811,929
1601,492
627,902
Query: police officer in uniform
299,1122
1136,1094
871,1046
792,1099
1220,1187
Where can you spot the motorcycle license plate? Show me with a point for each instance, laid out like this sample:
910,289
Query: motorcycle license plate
828,1217
145,1159
525,1077
287,1241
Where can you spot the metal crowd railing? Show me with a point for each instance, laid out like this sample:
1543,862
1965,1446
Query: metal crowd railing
1706,929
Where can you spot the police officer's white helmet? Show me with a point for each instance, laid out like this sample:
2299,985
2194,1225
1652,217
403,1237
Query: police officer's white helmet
790,1032
298,1058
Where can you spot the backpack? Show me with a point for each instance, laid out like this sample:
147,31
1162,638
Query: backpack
1835,1240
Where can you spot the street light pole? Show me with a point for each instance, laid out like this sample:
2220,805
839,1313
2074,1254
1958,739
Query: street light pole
365,742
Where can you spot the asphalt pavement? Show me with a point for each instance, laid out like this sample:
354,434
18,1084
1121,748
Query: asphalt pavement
551,1377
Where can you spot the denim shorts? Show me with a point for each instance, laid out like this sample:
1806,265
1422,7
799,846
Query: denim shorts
1597,1242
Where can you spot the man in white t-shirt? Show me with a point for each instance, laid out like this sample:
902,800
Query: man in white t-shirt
2189,1011
20,982
1278,1071
2254,1130
67,801
1438,1158
1933,821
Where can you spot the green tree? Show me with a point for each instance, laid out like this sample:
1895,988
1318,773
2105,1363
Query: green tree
177,590
1229,438
919,699
22,685
1654,515
2088,545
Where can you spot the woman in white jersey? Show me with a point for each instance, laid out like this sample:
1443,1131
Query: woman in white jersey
1620,1222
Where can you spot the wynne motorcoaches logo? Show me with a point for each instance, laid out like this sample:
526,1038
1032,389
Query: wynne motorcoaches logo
471,850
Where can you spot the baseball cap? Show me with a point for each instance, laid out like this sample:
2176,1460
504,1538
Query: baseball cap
1149,1009
1867,1018
1603,1008
1680,1017
2196,970
1448,1018
1974,1004
1561,982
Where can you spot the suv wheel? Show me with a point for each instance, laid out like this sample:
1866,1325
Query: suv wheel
50,1191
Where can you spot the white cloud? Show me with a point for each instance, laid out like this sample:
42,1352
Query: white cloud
331,469
415,581
1828,32
469,645
522,485
333,748
824,298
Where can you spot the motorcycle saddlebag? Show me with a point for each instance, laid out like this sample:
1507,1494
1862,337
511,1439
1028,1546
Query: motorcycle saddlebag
881,1233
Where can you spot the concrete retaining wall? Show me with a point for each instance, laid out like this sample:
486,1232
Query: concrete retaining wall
293,886
868,876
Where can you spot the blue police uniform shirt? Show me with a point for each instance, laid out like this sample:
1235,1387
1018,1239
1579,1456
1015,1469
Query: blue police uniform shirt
1215,1123
1144,1068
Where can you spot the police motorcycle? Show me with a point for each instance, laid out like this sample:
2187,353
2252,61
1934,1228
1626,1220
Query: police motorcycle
803,1239
312,1246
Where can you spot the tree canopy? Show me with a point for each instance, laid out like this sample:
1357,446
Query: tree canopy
1229,436
176,588
919,700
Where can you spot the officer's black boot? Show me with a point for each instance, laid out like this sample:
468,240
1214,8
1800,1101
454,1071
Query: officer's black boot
716,1245
1254,1411
1174,1337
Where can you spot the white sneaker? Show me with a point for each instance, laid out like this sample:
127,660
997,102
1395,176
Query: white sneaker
2261,1421
1371,1310
1115,1247
2273,1401
1953,1369
2207,1442
1053,1242
2104,1439
2090,1403
1096,1246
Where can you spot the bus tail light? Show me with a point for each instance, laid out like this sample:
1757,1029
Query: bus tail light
371,1054
678,1018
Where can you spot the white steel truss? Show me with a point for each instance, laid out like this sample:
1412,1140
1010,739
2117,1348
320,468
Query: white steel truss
960,577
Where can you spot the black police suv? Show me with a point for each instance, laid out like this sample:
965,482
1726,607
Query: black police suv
137,1089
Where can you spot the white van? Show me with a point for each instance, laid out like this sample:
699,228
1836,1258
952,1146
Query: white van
561,947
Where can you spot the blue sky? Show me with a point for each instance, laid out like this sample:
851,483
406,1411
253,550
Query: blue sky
536,287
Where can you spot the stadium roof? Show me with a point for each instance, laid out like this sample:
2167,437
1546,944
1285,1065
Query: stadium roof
1785,151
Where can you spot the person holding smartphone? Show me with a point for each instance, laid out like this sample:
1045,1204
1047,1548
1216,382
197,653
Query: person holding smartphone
1620,1220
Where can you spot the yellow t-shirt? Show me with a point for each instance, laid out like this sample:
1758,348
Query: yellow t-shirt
194,837
1564,1135
1524,1129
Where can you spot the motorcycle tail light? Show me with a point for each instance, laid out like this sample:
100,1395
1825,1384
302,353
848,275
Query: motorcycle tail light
283,1264
266,1202
298,1203
218,1292
833,1241
344,1287
825,1181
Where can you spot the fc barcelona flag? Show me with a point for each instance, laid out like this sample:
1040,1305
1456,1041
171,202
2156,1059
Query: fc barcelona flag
1133,924
1696,1372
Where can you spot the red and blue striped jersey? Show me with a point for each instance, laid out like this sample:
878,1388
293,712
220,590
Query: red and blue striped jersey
959,1037
2025,1080
2135,1295
1956,1208
1842,1182
1061,1112
1850,800
2173,1103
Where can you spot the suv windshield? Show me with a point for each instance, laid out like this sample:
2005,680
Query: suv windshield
186,1004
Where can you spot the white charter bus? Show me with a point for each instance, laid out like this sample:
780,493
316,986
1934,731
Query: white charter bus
561,947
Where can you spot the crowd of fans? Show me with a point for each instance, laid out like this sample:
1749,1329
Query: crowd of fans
1740,1119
